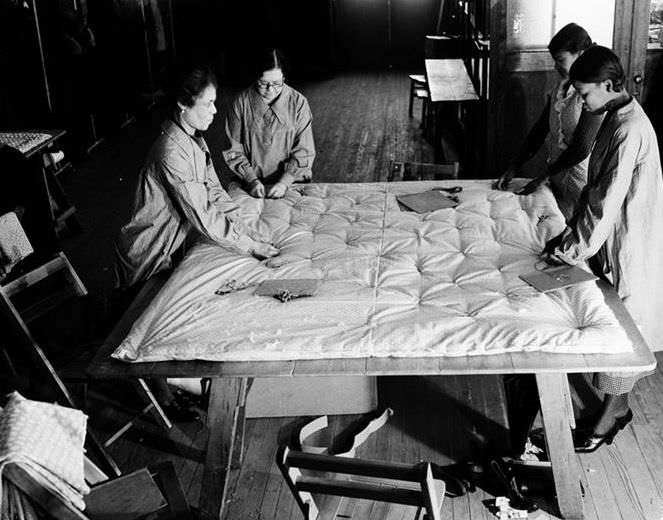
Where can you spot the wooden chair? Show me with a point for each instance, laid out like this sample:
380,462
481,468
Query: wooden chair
407,484
418,90
41,300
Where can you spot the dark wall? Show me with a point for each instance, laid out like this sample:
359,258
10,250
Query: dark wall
319,36
378,33
105,59
652,100
22,94
523,99
300,28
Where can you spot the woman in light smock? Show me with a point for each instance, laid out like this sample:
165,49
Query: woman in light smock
270,133
566,130
179,198
617,226
178,193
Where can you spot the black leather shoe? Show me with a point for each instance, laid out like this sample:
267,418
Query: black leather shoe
591,442
455,486
512,488
177,412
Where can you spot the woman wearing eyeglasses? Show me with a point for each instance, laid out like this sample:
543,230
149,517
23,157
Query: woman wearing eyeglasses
270,133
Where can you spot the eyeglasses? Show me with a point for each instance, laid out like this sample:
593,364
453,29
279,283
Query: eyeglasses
266,84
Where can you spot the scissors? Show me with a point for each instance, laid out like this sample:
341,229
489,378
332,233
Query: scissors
453,189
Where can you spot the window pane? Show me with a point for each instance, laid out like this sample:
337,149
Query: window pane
596,16
529,24
656,25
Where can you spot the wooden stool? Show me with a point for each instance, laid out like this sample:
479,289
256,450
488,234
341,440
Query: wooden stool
406,484
418,90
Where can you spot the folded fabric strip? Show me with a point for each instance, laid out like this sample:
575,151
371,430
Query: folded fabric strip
46,440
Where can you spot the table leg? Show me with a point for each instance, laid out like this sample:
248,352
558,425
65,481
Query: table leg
224,415
553,388
238,452
437,133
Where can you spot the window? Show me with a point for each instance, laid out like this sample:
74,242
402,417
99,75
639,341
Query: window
656,25
531,25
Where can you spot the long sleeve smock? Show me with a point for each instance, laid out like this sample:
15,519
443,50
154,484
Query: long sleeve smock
271,142
568,143
568,134
619,218
178,195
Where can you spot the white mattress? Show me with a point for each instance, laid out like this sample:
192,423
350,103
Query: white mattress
393,283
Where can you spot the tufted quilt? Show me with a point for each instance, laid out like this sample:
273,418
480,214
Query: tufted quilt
394,283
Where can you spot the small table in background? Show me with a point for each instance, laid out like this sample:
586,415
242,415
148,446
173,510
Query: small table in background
34,144
448,84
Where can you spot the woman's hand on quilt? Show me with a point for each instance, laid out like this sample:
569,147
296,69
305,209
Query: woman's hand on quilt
552,244
505,179
552,259
532,185
277,191
262,250
257,189
281,260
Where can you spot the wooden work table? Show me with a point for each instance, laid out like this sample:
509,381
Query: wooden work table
231,381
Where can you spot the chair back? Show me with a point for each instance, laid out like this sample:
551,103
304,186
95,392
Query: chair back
406,484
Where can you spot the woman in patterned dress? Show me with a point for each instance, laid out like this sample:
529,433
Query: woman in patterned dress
563,127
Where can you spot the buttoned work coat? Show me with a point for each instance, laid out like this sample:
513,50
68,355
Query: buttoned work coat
619,218
271,142
178,196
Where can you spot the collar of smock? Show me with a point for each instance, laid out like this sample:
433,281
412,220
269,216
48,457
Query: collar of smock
175,132
279,106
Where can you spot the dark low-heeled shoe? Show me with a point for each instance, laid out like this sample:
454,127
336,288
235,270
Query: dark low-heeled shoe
512,488
592,442
455,485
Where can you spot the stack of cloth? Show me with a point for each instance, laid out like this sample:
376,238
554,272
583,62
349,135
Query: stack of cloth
46,441
14,243
23,141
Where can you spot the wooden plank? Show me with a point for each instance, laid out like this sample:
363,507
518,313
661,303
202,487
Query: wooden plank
130,496
276,494
448,80
226,396
637,484
560,445
43,496
250,486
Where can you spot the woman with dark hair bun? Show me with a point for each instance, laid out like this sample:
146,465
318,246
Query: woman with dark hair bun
179,194
567,132
179,198
617,224
269,131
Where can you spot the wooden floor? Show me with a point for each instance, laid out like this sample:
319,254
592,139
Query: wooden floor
360,125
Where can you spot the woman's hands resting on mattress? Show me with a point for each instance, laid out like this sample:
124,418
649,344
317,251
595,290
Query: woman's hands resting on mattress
262,250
